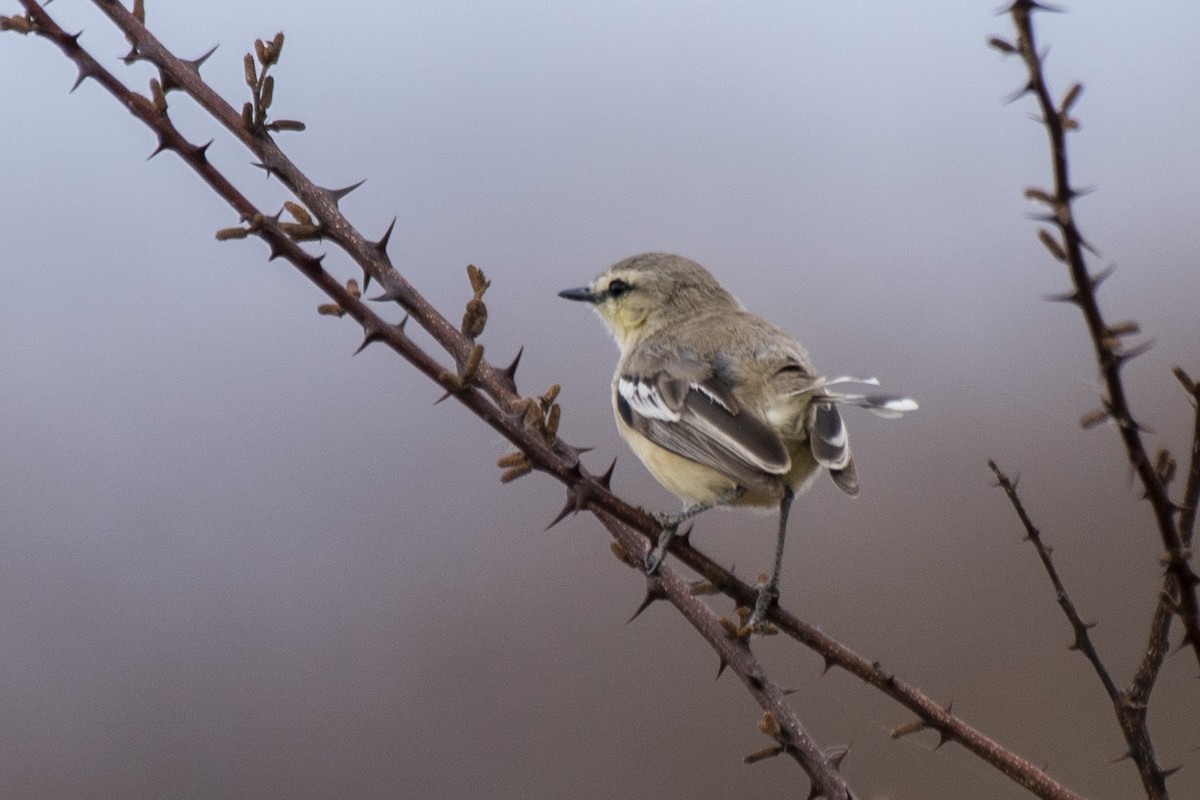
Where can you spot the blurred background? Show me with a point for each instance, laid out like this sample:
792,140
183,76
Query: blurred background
236,562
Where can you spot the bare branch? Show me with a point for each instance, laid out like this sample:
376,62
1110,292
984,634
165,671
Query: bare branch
1191,492
1110,352
1130,710
1083,641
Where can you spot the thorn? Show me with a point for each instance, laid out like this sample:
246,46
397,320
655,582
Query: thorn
1185,380
162,147
508,375
1065,297
1184,643
1086,245
83,75
380,247
1166,773
400,325
1128,355
275,250
1033,5
721,665
572,451
200,152
372,336
576,497
828,665
196,63
943,737
382,244
837,755
1101,276
1028,88
269,170
338,194
389,296
654,592
605,480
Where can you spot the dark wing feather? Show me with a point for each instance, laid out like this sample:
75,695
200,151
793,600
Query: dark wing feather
830,445
702,421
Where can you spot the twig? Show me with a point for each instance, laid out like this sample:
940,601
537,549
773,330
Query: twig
1110,352
1158,641
1083,641
1191,492
1130,710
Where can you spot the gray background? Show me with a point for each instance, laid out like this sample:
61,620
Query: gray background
235,562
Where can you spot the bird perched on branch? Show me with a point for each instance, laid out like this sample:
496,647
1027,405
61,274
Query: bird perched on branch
722,407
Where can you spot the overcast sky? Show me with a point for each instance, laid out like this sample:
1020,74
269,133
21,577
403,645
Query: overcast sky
236,562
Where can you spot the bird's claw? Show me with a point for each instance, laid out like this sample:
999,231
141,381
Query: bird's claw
768,595
658,553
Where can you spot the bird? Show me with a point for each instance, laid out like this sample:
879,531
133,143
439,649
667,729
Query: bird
721,406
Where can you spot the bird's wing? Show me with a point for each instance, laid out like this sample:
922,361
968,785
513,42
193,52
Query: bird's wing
693,412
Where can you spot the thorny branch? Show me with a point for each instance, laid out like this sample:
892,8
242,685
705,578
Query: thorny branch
1130,710
1107,340
1175,523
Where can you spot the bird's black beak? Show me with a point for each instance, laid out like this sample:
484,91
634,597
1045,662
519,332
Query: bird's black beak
582,294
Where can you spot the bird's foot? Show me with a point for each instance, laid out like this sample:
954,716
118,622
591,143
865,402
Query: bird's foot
670,526
756,623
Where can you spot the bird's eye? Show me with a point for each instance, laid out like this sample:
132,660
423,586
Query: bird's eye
617,287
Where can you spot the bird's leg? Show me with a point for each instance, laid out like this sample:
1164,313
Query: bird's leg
768,592
670,525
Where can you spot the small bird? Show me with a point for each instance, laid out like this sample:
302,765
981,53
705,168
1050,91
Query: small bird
722,407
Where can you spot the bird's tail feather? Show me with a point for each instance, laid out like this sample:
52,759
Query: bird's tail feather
883,405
